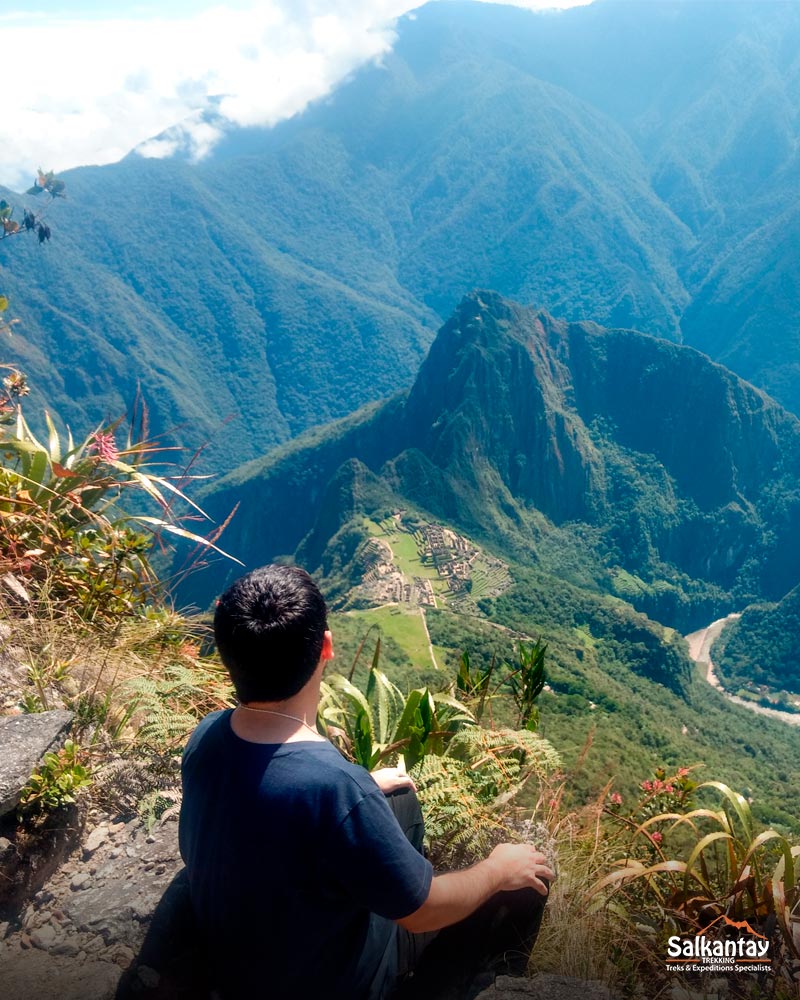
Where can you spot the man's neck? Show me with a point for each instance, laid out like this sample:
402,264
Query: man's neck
289,721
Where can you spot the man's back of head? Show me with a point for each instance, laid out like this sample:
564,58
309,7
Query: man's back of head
269,627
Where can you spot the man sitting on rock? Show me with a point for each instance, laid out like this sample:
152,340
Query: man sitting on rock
304,878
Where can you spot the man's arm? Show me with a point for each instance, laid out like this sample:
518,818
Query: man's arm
456,895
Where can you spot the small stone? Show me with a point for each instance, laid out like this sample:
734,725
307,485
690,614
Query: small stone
44,937
24,940
78,881
5,846
115,853
160,869
116,827
4,931
123,956
95,944
97,837
150,839
140,910
65,948
81,956
148,977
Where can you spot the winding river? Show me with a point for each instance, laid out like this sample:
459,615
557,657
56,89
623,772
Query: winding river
700,644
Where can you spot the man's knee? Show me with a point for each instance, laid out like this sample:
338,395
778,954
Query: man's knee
405,805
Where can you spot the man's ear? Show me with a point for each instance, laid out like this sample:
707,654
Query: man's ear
327,646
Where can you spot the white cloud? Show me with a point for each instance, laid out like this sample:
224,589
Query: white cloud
88,90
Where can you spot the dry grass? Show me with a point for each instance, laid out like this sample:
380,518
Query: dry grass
576,939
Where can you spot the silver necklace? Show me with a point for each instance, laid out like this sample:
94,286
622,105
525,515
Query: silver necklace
283,715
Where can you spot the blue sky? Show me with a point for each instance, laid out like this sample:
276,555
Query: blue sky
105,78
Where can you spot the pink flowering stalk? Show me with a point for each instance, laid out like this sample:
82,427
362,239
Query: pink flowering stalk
105,447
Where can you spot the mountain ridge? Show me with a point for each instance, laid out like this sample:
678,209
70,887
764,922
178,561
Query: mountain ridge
503,434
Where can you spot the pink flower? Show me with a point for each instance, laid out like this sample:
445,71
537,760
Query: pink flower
105,447
616,799
682,772
668,788
656,837
647,786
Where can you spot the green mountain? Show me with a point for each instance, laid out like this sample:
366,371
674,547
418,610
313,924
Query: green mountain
616,460
301,271
759,650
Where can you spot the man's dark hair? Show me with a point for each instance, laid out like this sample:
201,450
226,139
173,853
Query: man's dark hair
269,626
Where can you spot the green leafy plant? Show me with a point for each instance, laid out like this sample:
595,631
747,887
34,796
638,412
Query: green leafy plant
380,723
684,869
527,682
466,792
168,707
56,781
473,683
63,522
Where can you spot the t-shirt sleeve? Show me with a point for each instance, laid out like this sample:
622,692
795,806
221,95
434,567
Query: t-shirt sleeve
375,864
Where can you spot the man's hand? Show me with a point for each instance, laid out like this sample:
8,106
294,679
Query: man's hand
455,895
521,866
389,779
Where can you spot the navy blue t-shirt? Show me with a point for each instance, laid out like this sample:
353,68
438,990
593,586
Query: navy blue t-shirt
298,868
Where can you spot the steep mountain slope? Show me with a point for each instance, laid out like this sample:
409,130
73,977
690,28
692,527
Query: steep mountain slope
152,277
669,480
300,272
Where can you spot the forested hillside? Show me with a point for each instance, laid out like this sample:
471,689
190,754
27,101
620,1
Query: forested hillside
630,164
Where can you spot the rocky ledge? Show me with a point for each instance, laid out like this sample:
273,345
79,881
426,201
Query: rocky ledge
88,925
114,921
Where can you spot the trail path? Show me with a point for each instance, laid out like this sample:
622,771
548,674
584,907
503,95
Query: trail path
427,633
700,644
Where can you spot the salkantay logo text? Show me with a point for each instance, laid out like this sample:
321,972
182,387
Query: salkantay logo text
747,952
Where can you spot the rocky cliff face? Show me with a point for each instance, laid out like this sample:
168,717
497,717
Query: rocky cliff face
518,422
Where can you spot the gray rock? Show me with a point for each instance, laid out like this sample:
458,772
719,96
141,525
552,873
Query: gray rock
13,589
545,987
66,948
44,937
94,840
24,739
119,907
79,880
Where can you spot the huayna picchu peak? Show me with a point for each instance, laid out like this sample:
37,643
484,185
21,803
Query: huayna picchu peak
671,476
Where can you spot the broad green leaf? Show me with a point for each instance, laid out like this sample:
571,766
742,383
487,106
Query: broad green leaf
739,803
53,443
